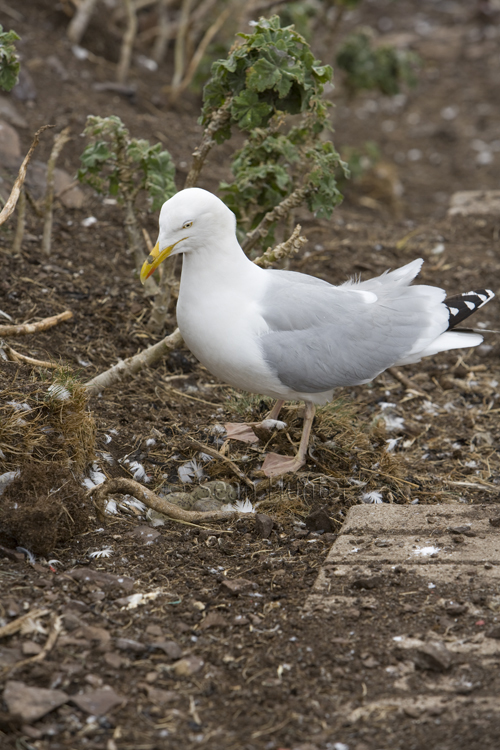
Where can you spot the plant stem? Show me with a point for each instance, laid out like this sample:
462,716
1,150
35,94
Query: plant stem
21,221
279,212
59,141
127,42
180,43
219,118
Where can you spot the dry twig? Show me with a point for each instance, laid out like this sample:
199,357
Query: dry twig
10,205
196,59
42,325
127,42
80,21
133,364
220,457
283,250
18,357
59,141
55,629
207,142
280,211
15,626
123,486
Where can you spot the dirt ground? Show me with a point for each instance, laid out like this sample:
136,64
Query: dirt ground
216,650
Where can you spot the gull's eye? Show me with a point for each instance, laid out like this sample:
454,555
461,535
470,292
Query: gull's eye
187,224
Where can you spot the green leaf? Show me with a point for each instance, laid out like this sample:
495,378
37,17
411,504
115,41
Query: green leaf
9,61
248,111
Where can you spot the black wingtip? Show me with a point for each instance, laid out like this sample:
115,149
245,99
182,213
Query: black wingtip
463,305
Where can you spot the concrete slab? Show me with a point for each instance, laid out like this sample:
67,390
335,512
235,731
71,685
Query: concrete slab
438,560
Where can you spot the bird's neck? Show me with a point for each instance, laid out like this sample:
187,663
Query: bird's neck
218,265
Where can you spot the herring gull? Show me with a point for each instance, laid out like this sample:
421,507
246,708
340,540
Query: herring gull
289,335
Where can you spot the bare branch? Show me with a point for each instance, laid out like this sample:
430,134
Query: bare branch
284,250
196,59
220,117
280,211
134,364
59,141
21,176
125,486
42,325
80,21
15,356
127,42
180,43
21,223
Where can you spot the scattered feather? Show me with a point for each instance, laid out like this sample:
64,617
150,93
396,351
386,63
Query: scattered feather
8,478
374,497
190,470
242,506
392,422
106,552
30,557
59,392
391,444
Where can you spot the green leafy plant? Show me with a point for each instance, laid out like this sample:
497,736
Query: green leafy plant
271,87
382,68
117,165
120,166
9,61
272,70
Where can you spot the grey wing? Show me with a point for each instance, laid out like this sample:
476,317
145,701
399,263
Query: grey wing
321,336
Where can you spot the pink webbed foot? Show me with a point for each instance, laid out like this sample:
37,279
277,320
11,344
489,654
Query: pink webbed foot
275,465
241,432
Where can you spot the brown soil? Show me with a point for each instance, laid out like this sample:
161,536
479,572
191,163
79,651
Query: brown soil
205,662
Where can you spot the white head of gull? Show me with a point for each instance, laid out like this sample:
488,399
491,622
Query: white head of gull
289,335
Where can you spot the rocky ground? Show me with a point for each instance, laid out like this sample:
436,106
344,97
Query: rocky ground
124,634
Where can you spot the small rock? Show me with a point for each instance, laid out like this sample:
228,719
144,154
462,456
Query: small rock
128,644
188,666
434,656
170,648
30,648
263,525
319,520
114,660
161,697
473,202
30,703
102,579
371,663
213,619
371,582
98,702
494,632
241,620
412,711
98,637
235,586
154,630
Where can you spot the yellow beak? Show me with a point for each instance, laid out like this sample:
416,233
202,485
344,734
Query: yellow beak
155,258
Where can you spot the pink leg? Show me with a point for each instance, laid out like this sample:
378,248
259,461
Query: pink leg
274,465
244,432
